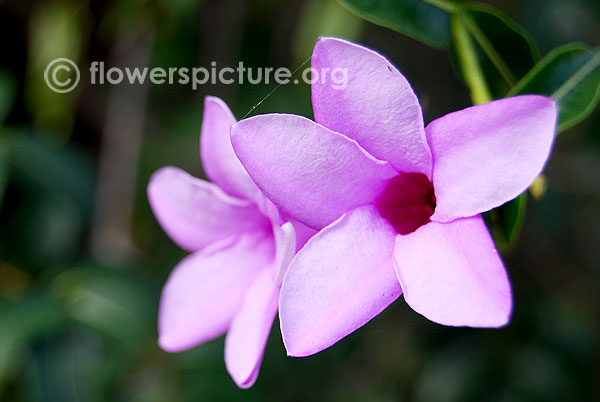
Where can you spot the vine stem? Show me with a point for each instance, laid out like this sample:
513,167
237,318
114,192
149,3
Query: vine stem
471,68
489,50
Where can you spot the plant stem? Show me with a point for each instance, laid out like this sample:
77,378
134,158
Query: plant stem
489,49
471,68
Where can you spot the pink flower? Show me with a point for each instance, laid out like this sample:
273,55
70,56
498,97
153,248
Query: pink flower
239,249
398,205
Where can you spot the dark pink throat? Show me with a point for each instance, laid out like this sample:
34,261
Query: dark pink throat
407,202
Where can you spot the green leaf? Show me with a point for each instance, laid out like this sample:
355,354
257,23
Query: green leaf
506,222
111,301
506,52
571,75
50,195
415,18
23,323
57,171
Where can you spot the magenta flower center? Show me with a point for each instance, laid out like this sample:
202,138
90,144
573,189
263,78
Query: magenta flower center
407,202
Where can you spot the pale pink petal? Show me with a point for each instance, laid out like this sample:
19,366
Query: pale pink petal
486,155
377,107
310,172
284,234
269,210
195,213
303,233
219,161
246,338
452,274
342,278
206,289
285,245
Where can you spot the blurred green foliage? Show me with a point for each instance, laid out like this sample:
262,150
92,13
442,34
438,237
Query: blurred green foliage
505,51
57,29
415,18
571,75
78,325
8,93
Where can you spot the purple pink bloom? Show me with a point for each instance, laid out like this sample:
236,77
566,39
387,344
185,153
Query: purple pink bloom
240,247
398,205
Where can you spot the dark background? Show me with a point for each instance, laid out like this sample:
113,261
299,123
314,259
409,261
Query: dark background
82,259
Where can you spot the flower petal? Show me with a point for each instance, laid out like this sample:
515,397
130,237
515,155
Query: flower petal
246,338
452,274
219,161
303,233
285,245
341,279
195,213
205,290
488,154
310,172
377,107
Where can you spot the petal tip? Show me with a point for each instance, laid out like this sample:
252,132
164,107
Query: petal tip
500,320
211,99
297,350
235,127
542,101
321,39
215,100
246,382
169,344
156,179
503,318
292,347
324,39
246,385
243,380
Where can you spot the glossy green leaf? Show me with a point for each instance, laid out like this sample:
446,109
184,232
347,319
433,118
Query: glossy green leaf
506,222
415,18
571,75
506,52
